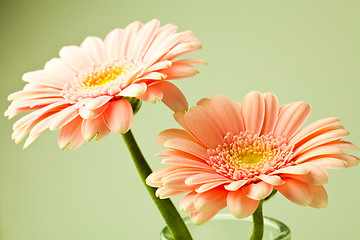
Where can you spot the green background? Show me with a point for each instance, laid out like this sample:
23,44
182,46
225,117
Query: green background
299,50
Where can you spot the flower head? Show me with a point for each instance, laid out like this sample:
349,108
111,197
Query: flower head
235,154
84,92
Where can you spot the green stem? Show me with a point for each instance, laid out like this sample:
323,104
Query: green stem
258,223
167,209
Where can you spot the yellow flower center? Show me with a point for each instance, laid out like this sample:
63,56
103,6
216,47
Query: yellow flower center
108,78
102,75
246,156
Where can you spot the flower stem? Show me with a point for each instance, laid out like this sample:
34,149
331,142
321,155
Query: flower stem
258,223
167,209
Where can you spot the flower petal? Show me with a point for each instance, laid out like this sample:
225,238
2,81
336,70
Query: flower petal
211,201
119,116
273,180
95,47
71,135
311,129
94,127
225,111
187,203
257,191
296,191
236,185
133,90
179,70
199,218
164,192
173,97
204,126
291,119
320,197
253,112
98,102
87,113
271,113
240,205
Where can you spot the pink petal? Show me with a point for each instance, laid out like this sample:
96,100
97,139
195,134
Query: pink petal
161,44
184,159
98,102
112,43
94,46
44,78
75,57
177,181
187,203
205,127
208,186
173,133
296,191
181,49
157,66
144,38
240,205
271,113
193,61
342,144
153,93
320,197
173,97
324,138
351,161
154,179
253,111
164,192
71,134
127,40
257,191
200,178
133,90
32,138
87,113
199,218
42,125
64,117
179,70
311,129
94,127
329,162
316,152
297,169
316,175
180,119
28,94
236,185
187,146
291,119
211,201
57,67
273,180
119,116
225,111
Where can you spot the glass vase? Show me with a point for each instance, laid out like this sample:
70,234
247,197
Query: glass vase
226,226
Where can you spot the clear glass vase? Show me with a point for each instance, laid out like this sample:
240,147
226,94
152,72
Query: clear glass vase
226,226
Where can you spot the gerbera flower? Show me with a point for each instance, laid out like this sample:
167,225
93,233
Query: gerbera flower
84,92
234,155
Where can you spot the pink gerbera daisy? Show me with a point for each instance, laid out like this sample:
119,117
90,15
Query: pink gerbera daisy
235,155
84,92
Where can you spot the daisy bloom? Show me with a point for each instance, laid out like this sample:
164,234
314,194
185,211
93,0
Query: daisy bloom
86,91
235,154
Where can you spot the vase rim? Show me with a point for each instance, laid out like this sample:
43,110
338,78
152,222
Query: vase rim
283,229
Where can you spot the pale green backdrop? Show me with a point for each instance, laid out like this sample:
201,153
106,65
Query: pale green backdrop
299,50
